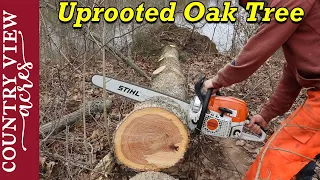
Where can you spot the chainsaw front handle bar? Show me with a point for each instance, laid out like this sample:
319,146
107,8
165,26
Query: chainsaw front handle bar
256,137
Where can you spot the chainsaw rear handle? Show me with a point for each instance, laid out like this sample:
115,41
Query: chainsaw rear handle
248,121
251,137
256,137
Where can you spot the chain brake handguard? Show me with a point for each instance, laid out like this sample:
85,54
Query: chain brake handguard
204,98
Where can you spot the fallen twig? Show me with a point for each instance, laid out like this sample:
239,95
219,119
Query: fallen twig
92,107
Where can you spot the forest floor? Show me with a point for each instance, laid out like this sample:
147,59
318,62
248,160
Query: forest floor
64,156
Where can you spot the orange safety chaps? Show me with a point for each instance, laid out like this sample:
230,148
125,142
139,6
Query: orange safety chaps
289,148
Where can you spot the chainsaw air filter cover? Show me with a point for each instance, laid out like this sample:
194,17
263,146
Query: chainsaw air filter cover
225,117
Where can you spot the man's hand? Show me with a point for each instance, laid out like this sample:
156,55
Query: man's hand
257,119
211,83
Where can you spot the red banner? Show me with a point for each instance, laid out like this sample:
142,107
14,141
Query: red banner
19,152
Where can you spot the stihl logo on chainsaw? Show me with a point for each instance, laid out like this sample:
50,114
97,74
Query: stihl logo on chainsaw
128,90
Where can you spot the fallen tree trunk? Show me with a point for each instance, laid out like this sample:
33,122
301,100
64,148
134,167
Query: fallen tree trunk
168,78
91,108
154,135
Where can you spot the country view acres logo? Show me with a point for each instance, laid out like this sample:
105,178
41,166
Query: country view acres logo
16,86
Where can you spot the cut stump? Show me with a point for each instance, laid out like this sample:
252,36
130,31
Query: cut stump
103,168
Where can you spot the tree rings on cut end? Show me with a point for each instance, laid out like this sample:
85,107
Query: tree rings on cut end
150,139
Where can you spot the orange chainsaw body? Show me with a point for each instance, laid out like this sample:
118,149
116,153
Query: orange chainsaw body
238,106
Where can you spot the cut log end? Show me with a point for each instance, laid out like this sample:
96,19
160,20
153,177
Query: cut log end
151,139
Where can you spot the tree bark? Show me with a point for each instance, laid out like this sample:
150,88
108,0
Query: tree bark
154,135
56,126
170,80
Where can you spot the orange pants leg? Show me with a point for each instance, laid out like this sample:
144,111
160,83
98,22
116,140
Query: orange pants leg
290,148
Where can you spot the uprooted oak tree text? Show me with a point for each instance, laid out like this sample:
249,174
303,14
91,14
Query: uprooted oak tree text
167,14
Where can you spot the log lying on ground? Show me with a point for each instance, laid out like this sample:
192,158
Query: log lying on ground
91,108
154,135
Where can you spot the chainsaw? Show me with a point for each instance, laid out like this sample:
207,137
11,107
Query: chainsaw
214,115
